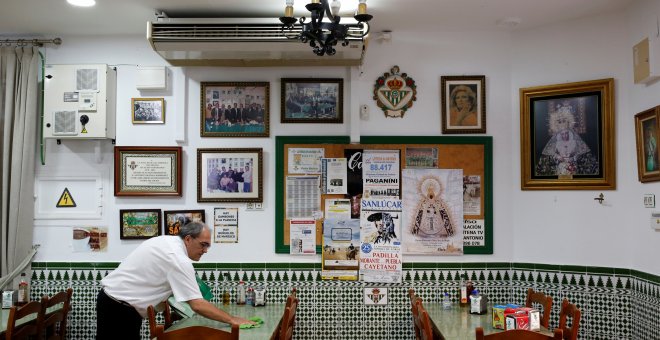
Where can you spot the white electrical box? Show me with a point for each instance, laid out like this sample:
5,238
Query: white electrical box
151,78
646,60
655,220
79,101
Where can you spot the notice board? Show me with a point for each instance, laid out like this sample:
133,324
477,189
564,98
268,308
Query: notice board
472,154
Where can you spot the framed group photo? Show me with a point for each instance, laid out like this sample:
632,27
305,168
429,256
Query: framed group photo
175,219
147,171
230,175
307,100
148,110
139,223
463,104
567,136
235,109
646,136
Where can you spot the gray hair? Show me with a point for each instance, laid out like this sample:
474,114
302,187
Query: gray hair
193,229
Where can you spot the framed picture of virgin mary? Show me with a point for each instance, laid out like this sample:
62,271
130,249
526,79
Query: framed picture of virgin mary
646,135
567,136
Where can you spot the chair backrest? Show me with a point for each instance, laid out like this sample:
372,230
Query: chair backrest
517,334
28,328
155,329
200,333
413,309
288,319
55,322
544,300
425,327
569,310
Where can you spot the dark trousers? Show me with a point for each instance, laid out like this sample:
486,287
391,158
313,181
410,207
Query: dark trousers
116,319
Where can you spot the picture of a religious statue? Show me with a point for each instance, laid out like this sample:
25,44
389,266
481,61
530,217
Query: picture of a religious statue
433,213
566,153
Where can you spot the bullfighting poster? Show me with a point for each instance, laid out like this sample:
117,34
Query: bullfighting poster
340,254
380,240
433,214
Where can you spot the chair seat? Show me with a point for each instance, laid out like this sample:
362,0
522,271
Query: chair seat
517,334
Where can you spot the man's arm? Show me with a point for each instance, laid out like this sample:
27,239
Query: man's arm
208,310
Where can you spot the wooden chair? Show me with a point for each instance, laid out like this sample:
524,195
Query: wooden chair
544,300
289,301
413,309
569,310
200,333
55,322
31,327
288,319
517,334
156,329
423,321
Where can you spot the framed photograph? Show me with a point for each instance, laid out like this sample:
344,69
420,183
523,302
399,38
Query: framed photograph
175,219
232,109
312,100
229,175
567,136
139,223
148,110
147,171
463,104
646,135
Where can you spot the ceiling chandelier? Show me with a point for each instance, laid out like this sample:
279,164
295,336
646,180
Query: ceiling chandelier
321,35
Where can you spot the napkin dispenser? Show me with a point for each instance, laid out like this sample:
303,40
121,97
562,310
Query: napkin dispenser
259,296
9,298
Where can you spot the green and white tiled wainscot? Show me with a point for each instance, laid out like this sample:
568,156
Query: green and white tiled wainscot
616,303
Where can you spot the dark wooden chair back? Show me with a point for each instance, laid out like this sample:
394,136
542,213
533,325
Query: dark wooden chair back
517,334
544,300
569,310
155,329
413,309
26,329
288,319
55,322
424,322
200,333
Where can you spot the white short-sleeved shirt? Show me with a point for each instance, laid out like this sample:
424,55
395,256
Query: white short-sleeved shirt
158,268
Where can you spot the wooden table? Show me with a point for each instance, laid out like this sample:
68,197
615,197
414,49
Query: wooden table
456,323
270,313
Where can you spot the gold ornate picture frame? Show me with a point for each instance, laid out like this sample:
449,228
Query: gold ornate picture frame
646,136
567,136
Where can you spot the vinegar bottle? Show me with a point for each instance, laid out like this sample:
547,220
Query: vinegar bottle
464,293
23,291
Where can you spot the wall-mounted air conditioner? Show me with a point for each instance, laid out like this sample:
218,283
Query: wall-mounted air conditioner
79,101
243,42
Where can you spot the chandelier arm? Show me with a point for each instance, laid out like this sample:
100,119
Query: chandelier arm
361,35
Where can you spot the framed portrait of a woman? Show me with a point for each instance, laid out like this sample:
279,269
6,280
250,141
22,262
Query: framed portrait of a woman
463,104
567,136
646,135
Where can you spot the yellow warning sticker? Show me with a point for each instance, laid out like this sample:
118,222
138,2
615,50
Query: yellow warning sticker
66,201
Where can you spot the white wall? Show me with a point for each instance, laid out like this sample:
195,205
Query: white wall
562,227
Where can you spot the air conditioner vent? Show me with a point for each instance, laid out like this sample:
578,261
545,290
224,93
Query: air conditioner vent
243,42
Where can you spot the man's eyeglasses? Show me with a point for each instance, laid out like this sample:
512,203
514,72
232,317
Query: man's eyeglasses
205,245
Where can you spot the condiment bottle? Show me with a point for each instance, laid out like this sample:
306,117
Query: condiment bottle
240,293
446,301
469,288
23,291
463,292
225,297
249,299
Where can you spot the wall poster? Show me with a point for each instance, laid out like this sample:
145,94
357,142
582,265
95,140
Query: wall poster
433,213
340,256
380,240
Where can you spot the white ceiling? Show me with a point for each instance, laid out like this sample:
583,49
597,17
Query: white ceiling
51,18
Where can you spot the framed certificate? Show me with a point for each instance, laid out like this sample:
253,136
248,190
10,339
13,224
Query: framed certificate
147,171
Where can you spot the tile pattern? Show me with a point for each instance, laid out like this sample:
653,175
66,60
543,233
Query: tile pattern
607,297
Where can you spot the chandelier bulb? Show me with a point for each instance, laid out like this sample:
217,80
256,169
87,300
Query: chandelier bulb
335,6
362,7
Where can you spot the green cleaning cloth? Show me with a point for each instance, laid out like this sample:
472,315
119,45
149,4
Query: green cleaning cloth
204,289
256,319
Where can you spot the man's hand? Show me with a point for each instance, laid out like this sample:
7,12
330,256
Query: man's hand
240,321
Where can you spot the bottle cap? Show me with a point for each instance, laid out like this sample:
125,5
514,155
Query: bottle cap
446,294
475,292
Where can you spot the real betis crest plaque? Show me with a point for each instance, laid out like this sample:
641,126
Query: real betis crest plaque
395,93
